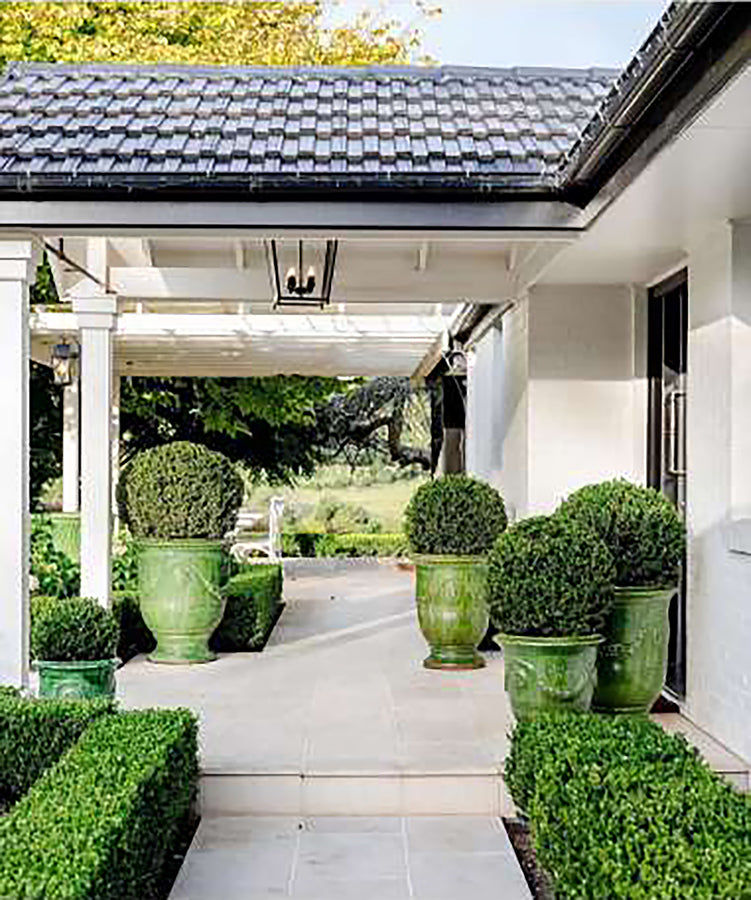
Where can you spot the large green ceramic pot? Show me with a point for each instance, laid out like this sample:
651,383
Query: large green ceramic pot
632,663
549,674
80,680
452,609
180,597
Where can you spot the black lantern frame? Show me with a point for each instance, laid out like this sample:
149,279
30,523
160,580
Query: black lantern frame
298,289
64,361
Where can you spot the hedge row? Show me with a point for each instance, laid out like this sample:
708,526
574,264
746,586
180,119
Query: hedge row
105,821
310,544
620,810
253,596
34,734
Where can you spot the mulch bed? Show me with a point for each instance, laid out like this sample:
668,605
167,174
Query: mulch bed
540,885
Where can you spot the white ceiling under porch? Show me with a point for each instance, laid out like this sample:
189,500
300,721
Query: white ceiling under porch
204,305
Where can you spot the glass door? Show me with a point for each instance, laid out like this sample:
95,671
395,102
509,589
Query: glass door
667,336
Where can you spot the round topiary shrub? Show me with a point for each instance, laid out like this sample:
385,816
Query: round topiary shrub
549,576
72,629
180,490
454,515
642,529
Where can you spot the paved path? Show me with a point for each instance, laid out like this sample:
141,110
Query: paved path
339,689
356,858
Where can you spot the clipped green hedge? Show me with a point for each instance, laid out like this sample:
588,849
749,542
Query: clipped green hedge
310,545
641,527
454,515
72,628
549,576
35,733
357,545
180,490
253,597
620,810
104,822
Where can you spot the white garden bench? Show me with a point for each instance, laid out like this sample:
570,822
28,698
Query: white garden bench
269,544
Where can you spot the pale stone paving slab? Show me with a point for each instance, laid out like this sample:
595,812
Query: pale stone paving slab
350,858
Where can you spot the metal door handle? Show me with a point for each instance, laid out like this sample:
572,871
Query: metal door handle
676,432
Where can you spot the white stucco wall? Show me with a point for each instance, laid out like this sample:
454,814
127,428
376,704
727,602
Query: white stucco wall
558,399
718,694
582,390
497,419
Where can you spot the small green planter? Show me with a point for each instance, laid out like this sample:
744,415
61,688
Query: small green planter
632,663
452,609
181,600
79,680
549,674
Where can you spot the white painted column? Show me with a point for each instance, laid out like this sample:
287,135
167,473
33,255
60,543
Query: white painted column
71,429
115,450
17,268
96,320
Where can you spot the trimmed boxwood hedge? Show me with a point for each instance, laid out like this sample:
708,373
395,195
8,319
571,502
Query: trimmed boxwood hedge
641,527
69,629
105,820
35,733
620,810
179,490
310,545
549,576
135,637
454,515
253,598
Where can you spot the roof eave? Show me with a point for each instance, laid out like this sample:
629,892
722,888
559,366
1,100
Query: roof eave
691,55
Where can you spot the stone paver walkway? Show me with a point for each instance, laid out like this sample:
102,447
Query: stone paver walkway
356,858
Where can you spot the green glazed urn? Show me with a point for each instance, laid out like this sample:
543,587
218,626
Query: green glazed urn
77,680
452,609
549,674
179,584
632,663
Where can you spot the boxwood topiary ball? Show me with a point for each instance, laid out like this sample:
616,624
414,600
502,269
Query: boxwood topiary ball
180,490
641,527
72,629
549,576
454,515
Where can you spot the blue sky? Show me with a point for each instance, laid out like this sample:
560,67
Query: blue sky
575,33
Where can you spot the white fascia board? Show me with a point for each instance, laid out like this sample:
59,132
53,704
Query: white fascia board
283,218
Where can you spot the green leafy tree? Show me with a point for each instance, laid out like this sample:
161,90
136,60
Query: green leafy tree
224,33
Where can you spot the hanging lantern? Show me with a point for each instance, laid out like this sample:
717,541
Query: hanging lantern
64,360
302,285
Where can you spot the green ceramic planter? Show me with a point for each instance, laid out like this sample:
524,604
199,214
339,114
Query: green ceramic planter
452,608
632,663
549,674
181,600
80,680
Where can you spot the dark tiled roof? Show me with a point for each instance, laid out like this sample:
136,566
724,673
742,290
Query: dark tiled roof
336,127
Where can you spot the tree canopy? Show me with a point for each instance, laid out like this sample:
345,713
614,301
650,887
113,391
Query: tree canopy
267,33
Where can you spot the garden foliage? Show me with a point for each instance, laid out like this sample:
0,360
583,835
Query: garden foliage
549,576
56,574
454,515
134,636
361,545
180,490
253,599
105,820
72,628
620,810
642,528
34,734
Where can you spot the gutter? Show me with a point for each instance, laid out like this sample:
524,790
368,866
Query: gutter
687,59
